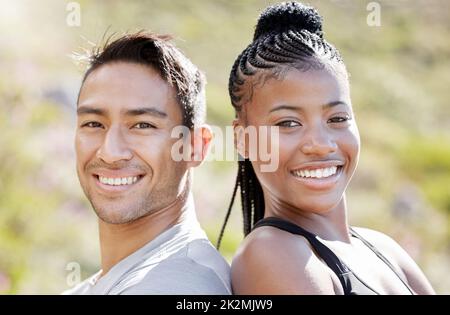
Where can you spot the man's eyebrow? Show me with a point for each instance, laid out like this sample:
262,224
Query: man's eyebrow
299,108
83,109
146,111
90,110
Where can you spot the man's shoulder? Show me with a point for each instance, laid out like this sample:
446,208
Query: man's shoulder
198,268
202,252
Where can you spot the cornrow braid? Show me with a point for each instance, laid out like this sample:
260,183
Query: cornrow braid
287,36
252,198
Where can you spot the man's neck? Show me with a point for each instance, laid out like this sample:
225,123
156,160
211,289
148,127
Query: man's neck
118,241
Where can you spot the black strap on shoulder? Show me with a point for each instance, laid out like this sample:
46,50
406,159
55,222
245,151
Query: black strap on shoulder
381,256
335,264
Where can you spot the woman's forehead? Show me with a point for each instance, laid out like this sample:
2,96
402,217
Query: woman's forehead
312,86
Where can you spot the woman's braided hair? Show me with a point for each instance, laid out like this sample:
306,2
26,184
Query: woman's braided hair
287,36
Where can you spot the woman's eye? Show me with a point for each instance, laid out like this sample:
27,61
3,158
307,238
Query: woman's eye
92,124
339,119
143,125
289,124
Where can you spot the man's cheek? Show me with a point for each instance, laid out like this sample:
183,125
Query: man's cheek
86,148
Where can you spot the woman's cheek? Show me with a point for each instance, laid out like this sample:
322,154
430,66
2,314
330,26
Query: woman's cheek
350,145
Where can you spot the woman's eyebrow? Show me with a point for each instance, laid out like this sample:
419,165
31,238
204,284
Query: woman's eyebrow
335,103
300,109
288,107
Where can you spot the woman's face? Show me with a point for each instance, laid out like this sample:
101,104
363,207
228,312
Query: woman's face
318,138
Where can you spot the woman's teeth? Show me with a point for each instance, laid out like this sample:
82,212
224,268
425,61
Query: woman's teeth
118,181
317,173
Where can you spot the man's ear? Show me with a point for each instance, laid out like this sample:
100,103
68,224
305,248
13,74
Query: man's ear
201,138
240,140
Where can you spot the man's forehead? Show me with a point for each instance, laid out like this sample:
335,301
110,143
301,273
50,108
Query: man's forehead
125,69
125,86
127,77
141,91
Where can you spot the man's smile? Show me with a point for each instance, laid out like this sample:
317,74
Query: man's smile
117,180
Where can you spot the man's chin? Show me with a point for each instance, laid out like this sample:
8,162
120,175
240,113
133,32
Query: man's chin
111,219
117,215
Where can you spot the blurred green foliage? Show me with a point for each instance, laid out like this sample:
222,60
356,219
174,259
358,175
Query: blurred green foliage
427,162
399,80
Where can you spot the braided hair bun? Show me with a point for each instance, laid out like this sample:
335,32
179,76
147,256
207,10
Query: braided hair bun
288,36
287,16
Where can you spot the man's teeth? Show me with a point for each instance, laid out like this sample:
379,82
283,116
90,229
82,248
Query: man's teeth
317,173
118,181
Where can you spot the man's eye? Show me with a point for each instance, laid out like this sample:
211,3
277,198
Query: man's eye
143,125
289,124
92,124
339,119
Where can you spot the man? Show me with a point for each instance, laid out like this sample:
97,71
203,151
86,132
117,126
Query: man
136,90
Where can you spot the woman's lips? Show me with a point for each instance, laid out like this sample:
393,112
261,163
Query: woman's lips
318,178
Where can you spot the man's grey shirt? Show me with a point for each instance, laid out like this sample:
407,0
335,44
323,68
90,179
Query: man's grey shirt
181,260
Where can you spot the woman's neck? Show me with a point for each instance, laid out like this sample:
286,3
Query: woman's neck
328,225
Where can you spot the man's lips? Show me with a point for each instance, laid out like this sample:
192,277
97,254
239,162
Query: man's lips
117,180
120,173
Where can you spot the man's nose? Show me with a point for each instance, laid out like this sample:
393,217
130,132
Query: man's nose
317,141
115,147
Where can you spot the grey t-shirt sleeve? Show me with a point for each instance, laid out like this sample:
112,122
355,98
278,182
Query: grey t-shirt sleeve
181,276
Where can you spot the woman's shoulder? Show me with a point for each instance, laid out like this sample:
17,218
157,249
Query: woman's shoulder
385,244
376,237
399,258
269,243
272,261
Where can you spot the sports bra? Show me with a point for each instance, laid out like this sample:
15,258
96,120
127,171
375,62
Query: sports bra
350,282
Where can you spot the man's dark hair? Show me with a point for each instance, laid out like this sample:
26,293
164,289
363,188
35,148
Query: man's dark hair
287,36
159,53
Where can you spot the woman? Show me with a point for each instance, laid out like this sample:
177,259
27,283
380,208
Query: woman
298,240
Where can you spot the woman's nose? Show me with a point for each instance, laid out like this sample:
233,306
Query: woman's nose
318,142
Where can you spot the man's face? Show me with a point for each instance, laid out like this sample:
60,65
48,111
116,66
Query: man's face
126,113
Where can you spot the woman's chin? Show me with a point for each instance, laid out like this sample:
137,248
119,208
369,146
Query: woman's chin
318,205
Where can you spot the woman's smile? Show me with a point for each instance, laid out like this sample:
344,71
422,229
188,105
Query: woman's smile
318,175
319,178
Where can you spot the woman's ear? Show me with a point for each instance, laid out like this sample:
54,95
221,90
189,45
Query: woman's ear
240,142
201,138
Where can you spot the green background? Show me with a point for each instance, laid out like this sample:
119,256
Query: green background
400,92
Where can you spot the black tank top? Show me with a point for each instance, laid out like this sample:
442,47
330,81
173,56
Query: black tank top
350,282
